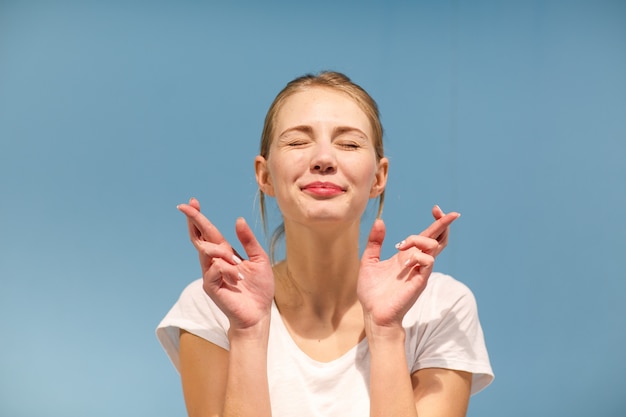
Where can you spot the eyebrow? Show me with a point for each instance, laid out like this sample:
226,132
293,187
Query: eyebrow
347,129
309,130
302,128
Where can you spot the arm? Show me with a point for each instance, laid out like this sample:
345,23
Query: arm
217,382
229,383
247,389
391,392
441,392
387,289
203,373
431,392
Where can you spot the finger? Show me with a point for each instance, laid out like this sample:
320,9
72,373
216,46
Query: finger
250,244
421,260
443,237
371,253
199,226
221,271
212,250
437,212
193,202
440,225
422,243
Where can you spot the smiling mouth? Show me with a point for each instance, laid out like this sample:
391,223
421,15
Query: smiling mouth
323,189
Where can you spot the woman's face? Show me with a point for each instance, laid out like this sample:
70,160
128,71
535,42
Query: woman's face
322,164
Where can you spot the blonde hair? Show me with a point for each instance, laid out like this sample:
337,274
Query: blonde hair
328,79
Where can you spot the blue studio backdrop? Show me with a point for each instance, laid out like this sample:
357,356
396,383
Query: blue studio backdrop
112,113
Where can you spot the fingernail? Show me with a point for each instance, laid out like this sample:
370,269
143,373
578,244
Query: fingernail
407,262
241,278
236,259
398,245
437,205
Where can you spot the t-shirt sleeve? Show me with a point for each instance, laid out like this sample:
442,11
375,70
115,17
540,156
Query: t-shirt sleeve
196,313
446,331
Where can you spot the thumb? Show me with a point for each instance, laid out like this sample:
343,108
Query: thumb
371,253
250,244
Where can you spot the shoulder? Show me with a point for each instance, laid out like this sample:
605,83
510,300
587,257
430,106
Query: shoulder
193,292
444,331
195,313
195,305
439,282
444,301
444,292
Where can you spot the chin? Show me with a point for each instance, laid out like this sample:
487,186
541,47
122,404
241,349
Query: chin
333,216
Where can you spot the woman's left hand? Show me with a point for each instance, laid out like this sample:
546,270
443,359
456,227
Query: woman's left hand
388,288
440,228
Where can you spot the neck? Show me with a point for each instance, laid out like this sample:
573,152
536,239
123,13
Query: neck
320,270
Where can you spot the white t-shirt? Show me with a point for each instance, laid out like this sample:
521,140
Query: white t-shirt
442,331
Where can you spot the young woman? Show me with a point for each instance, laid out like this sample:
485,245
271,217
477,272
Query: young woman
326,331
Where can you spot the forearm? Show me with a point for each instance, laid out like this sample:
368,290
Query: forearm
247,390
391,391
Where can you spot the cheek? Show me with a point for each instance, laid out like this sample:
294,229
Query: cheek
289,164
283,172
363,171
370,179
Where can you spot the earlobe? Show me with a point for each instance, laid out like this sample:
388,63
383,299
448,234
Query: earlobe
380,180
263,178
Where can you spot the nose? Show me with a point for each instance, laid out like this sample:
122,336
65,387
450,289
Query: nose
324,160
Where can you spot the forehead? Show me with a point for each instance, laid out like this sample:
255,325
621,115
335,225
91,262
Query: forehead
321,105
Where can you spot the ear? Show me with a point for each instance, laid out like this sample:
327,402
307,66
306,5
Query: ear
263,178
380,180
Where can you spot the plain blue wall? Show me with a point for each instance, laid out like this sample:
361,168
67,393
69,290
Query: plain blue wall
111,113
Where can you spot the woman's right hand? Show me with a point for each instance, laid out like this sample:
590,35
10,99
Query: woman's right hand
242,289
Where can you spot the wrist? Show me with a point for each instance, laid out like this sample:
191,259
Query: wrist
379,334
255,332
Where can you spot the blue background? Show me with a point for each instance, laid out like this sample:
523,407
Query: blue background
112,113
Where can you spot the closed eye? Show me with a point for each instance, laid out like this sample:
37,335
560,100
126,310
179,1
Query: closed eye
349,145
349,138
295,143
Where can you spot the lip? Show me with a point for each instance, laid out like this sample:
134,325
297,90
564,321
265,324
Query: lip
320,188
